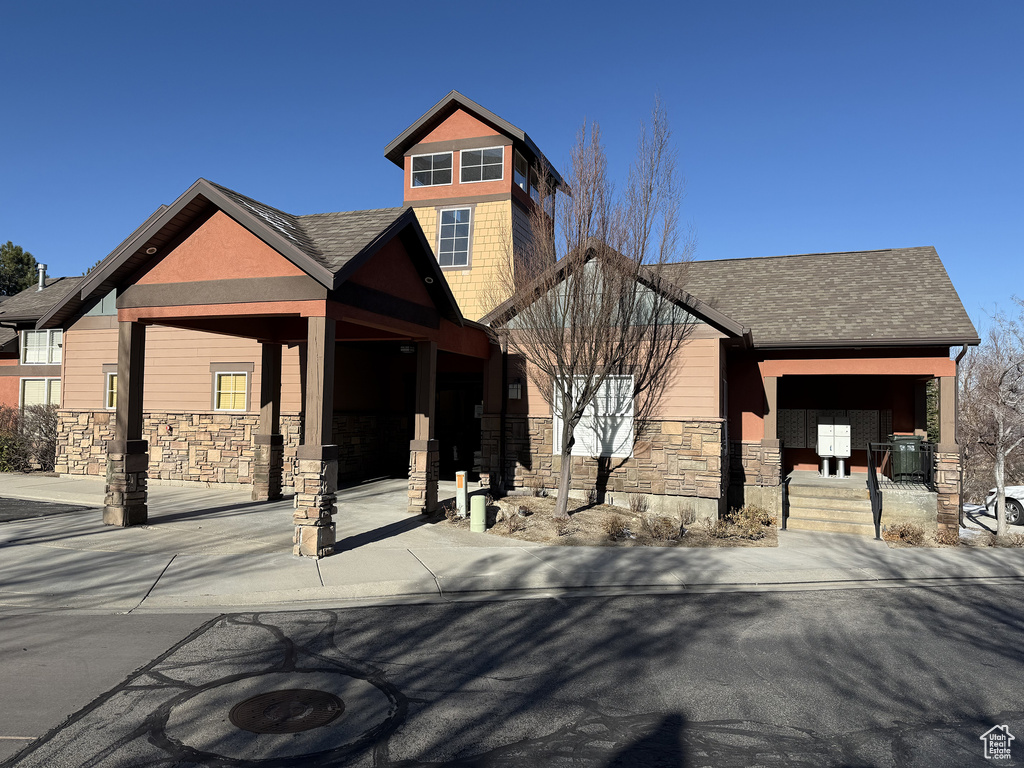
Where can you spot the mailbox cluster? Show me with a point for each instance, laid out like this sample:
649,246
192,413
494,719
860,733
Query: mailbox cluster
833,442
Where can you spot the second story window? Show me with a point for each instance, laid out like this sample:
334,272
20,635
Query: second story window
432,170
453,238
521,172
482,164
41,347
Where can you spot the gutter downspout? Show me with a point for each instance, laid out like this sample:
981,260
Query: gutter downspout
502,486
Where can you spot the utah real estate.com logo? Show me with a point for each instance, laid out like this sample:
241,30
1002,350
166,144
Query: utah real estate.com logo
997,742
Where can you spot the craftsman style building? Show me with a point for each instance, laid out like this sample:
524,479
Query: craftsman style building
226,341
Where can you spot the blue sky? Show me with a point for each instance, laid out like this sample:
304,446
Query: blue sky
801,126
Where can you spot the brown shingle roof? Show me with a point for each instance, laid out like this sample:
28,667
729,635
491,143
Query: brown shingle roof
340,236
899,296
31,304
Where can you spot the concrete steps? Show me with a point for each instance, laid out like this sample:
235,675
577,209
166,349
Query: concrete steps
833,509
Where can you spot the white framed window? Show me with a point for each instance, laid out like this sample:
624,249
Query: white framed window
39,392
431,170
453,235
482,165
534,186
521,172
41,347
606,428
110,391
231,391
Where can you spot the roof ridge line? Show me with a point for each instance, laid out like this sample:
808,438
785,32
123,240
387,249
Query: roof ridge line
812,253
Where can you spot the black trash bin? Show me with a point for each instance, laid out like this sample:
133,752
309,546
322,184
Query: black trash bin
907,464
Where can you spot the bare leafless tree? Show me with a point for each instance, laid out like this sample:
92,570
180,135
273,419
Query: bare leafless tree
992,402
592,302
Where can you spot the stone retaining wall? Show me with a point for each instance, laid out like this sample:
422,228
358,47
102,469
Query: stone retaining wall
670,458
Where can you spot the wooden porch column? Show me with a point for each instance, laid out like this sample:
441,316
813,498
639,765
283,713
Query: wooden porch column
424,454
771,448
947,414
316,482
128,453
269,459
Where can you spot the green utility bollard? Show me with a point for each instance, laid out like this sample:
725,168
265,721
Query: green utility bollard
478,514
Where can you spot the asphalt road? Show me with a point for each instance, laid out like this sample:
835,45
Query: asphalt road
886,677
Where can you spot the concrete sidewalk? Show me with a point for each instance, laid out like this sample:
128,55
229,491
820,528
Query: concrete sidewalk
213,549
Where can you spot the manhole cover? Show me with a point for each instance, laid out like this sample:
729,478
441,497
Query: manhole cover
288,711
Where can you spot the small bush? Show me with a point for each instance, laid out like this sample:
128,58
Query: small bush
688,516
1009,540
638,504
28,438
615,527
592,497
948,536
755,515
514,523
716,529
565,525
664,529
15,452
451,511
907,533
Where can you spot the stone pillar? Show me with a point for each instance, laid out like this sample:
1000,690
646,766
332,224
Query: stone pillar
947,485
128,453
269,454
316,487
424,451
316,481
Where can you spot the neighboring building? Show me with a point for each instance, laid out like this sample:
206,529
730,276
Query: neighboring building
30,359
226,341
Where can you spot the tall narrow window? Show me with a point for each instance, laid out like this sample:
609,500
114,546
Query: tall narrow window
231,392
110,395
521,173
41,347
482,164
432,170
453,237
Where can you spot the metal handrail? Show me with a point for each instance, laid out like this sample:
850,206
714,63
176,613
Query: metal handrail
901,462
874,493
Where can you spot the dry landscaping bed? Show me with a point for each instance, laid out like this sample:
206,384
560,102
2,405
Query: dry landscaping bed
531,518
910,535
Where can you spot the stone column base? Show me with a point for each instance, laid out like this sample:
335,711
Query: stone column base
268,468
316,486
127,480
947,485
424,471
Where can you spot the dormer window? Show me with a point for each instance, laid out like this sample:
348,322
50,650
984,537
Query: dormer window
482,164
432,170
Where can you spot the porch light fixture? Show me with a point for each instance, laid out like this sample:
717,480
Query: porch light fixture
515,389
151,250
407,349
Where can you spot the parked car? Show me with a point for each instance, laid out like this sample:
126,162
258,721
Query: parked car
1014,504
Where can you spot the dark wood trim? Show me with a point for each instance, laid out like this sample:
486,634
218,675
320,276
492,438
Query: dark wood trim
319,402
235,291
454,201
94,323
385,304
48,371
454,145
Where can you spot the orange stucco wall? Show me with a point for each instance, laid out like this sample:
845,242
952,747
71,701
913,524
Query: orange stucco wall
391,271
220,249
9,390
459,125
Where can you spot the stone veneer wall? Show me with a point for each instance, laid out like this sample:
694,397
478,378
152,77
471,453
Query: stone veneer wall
670,458
947,484
219,447
755,476
200,447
